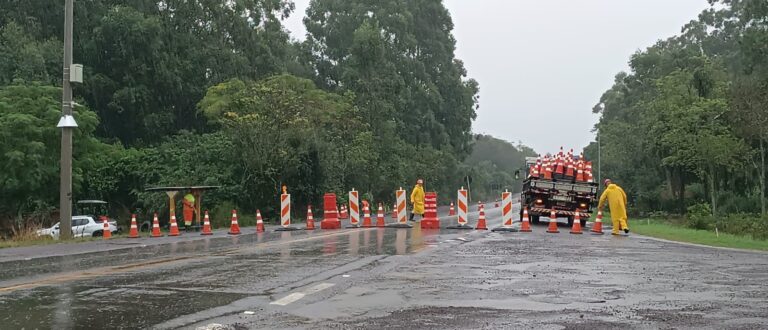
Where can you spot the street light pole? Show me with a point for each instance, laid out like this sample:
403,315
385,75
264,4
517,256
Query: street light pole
65,192
599,159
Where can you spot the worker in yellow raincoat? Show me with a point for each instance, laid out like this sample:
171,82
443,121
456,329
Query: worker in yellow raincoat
617,202
417,199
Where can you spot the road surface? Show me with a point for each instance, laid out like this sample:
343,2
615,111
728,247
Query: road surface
384,278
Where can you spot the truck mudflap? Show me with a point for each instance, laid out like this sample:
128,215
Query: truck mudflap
544,211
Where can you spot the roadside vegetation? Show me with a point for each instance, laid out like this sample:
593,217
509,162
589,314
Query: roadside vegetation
685,131
677,232
364,102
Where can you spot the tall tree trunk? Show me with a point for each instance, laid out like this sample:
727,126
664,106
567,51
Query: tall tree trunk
762,176
681,190
712,194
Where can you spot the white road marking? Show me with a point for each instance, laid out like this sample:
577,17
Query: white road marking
288,299
318,288
293,297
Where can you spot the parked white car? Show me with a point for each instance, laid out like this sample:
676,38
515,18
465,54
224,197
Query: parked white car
82,226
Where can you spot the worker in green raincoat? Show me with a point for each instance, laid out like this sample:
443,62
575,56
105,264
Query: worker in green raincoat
189,208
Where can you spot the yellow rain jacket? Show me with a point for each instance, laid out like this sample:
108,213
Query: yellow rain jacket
417,199
617,202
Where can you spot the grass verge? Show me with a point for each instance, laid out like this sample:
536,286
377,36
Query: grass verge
660,229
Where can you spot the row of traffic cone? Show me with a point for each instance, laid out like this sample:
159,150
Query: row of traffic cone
576,227
367,223
562,165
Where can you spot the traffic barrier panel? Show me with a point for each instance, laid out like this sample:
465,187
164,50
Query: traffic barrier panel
380,217
156,227
402,221
107,234
506,213
431,220
354,209
259,222
463,208
206,225
552,222
134,232
285,212
576,228
330,214
234,227
597,228
174,227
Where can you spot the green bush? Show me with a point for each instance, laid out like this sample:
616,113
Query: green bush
699,217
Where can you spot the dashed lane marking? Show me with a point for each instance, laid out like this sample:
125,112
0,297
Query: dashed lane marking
293,297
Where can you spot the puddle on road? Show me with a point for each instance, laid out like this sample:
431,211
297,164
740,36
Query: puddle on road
81,307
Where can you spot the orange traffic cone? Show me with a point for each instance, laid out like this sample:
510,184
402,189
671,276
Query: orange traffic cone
451,210
366,215
580,175
106,233
576,228
134,232
234,228
547,168
206,225
394,211
310,219
174,227
380,217
259,222
552,222
344,214
156,227
525,226
597,229
481,220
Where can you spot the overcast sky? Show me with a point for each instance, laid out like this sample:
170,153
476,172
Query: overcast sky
542,65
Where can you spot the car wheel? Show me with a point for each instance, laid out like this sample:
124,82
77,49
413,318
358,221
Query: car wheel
535,219
583,223
98,233
570,221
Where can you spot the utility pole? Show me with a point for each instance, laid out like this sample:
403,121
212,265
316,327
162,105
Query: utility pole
599,160
67,125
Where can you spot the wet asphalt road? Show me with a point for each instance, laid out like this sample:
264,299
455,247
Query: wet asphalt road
377,278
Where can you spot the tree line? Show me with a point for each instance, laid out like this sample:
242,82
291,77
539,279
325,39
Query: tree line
215,92
687,127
